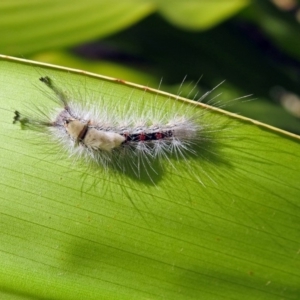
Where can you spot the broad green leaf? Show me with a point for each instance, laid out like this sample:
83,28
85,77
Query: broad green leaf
33,25
71,234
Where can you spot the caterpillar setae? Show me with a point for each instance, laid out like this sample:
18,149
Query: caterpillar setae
130,140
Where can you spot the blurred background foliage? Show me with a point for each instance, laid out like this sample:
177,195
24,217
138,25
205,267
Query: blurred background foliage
253,45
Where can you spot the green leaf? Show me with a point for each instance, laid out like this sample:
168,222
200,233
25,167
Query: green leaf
35,25
195,14
31,26
71,234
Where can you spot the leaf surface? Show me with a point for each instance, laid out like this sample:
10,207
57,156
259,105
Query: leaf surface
71,234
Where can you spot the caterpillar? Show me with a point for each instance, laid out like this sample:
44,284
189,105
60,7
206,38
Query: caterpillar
133,141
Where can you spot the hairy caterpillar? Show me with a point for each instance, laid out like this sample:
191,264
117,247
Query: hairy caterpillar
132,140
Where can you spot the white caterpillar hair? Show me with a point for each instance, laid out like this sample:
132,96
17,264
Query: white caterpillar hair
127,140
